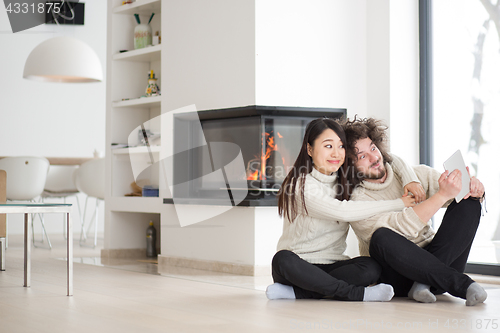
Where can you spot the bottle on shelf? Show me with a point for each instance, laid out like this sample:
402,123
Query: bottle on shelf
151,240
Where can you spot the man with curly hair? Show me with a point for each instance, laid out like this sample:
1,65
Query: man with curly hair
417,261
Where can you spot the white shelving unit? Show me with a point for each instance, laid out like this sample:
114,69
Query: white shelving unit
127,217
137,150
142,7
138,102
151,53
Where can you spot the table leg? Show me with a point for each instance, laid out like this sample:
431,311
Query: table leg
69,229
27,250
2,253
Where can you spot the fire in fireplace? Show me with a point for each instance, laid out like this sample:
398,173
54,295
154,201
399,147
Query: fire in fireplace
268,164
267,139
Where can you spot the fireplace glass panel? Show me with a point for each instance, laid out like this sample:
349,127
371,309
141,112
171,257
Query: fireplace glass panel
244,132
269,147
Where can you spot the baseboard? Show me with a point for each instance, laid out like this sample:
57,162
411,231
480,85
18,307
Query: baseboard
164,262
123,253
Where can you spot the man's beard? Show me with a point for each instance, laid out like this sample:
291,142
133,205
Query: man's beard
375,175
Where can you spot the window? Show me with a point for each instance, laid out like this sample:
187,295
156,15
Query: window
465,104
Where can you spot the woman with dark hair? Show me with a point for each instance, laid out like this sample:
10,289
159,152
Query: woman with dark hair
313,201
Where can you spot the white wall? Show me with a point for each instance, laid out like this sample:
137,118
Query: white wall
208,54
378,59
393,72
50,119
312,53
404,79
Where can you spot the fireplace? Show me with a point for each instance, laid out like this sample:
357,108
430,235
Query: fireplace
253,147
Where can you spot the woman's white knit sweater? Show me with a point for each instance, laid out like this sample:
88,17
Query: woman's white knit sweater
319,235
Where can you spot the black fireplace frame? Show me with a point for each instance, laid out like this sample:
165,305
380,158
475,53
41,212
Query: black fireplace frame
267,199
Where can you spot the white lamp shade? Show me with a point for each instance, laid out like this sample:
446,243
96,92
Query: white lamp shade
63,59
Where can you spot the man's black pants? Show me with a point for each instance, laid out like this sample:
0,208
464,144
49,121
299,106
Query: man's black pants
440,264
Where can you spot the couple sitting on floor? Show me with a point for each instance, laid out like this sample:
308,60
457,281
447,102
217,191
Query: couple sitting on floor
344,175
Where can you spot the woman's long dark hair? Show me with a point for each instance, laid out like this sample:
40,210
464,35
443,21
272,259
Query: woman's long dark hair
287,201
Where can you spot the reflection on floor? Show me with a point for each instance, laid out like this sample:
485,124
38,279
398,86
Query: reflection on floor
91,256
150,266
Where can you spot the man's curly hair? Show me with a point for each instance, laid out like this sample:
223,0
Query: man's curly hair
362,128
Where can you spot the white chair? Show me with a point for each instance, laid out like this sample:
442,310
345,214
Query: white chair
60,184
90,179
26,177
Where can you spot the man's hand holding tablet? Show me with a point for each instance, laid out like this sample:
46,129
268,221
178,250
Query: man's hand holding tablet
455,162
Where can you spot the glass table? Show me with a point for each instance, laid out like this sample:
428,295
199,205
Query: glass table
34,208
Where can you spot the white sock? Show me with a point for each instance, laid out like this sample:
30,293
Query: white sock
421,293
475,294
379,293
280,291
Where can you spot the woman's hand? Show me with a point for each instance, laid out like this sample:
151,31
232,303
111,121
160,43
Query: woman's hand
408,200
417,190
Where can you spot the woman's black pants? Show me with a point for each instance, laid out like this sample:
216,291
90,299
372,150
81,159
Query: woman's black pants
440,264
343,280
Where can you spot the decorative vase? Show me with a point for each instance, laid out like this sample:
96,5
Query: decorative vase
152,88
142,36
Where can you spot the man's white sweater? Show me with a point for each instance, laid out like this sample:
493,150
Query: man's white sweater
405,222
319,235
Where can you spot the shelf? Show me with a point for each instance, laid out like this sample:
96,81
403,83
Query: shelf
147,54
135,204
126,217
136,150
149,102
141,7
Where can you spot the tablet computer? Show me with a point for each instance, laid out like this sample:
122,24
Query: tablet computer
456,161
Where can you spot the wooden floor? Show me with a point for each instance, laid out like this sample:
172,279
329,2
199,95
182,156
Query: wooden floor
130,297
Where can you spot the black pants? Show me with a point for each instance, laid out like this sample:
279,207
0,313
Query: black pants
343,280
440,264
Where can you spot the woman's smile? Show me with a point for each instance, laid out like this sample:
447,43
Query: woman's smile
327,152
